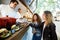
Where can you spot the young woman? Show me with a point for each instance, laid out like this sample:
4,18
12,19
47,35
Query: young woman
36,30
49,28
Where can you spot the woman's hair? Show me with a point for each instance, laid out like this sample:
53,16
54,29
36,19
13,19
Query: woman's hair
48,16
38,18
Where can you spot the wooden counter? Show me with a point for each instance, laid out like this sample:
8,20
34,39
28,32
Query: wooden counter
18,35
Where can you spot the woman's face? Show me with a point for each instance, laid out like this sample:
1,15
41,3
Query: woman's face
44,17
35,17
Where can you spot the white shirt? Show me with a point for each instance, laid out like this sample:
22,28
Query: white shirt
21,20
42,32
20,16
7,10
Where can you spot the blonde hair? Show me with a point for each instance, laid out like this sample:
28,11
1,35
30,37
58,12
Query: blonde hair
49,17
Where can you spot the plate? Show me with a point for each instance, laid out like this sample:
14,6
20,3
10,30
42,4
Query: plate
5,36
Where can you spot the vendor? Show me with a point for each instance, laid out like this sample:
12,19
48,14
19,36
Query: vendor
9,9
21,17
20,13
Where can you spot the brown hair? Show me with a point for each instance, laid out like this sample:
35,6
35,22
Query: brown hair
14,1
48,16
19,8
38,18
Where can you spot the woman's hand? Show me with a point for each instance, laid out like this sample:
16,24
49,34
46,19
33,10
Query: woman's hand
33,31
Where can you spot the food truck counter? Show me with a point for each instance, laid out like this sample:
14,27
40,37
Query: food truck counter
18,35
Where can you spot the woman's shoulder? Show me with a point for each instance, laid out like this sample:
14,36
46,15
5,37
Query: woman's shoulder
31,24
42,23
52,24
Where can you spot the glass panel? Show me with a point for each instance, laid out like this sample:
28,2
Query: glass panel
51,5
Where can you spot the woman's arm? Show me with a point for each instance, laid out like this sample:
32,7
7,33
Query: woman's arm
33,28
53,32
31,24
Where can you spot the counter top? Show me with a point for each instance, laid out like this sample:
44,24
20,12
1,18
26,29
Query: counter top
18,35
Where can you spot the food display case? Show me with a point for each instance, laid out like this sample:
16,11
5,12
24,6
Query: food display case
12,30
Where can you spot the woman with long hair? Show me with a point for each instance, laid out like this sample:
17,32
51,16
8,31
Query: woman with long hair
49,28
36,30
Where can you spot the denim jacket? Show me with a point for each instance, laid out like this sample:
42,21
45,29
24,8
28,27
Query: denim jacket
37,28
